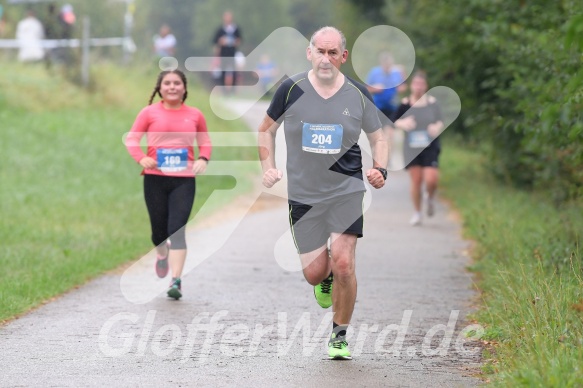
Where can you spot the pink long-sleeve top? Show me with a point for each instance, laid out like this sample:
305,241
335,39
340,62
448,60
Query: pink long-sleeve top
170,135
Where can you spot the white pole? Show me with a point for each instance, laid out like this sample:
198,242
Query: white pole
85,53
128,21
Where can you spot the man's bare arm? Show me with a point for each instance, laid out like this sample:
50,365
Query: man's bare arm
266,141
380,148
380,155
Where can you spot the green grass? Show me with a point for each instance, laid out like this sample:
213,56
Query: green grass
530,267
71,200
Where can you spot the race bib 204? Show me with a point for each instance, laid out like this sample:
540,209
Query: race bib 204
322,138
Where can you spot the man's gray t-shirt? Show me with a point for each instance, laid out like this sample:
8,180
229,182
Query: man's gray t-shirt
323,157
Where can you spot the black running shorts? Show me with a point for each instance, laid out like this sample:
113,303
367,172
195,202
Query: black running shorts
311,225
429,157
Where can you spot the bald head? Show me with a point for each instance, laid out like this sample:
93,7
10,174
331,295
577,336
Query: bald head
329,29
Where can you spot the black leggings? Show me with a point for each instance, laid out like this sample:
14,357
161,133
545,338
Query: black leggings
169,201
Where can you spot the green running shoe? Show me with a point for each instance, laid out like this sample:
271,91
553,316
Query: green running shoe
323,292
338,348
175,290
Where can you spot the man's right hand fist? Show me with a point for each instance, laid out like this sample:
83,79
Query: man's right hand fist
271,177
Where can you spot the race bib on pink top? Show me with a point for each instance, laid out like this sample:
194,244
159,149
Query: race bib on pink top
172,159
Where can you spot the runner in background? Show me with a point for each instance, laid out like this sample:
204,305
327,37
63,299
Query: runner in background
420,117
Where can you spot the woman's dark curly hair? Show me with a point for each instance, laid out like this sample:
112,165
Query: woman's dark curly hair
159,83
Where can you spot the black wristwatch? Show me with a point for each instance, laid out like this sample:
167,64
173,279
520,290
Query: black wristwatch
383,172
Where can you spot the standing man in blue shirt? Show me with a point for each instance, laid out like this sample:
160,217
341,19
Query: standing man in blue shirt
382,82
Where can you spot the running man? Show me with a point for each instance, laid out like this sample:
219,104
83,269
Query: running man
323,112
419,115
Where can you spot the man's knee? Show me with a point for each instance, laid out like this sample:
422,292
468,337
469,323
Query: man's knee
315,265
314,277
343,265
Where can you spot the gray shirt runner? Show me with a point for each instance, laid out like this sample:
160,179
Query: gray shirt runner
323,157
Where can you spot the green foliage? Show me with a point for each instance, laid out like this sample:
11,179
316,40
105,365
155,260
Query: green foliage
529,259
539,80
308,16
517,69
352,23
370,9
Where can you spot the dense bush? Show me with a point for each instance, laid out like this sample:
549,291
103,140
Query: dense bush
517,68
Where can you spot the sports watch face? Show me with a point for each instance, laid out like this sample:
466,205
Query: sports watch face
383,172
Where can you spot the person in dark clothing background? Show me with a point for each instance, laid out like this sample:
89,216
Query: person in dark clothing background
227,41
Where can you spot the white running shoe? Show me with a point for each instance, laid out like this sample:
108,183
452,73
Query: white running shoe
416,219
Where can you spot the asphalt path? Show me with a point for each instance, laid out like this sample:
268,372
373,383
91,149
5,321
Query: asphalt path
248,318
